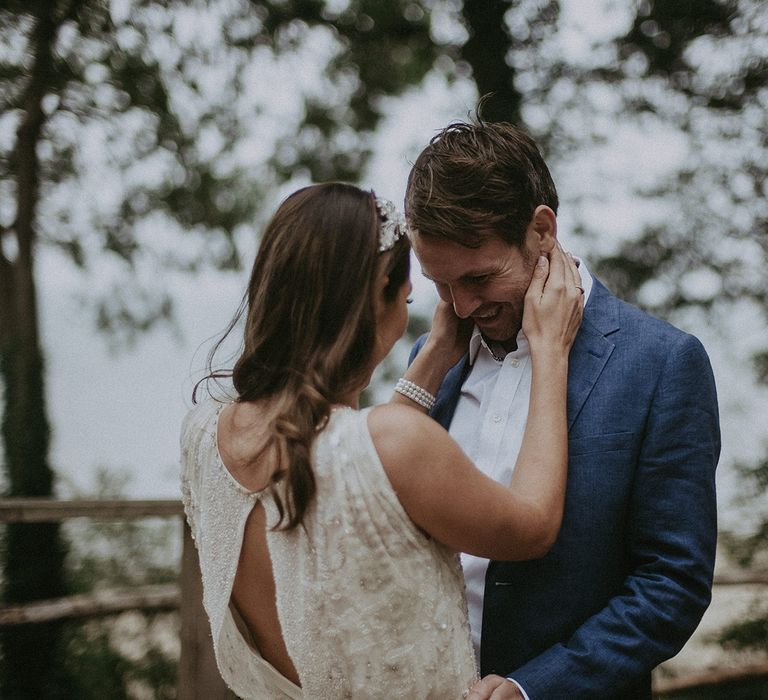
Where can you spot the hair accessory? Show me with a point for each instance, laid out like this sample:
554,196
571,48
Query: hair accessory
392,224
415,393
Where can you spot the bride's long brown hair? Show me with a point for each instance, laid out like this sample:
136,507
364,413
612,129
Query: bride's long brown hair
310,326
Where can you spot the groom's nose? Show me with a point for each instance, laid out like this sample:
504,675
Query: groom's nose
465,301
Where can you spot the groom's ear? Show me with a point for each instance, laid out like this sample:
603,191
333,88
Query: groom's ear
543,228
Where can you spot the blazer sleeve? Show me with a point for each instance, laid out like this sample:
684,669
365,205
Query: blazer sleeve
417,347
672,537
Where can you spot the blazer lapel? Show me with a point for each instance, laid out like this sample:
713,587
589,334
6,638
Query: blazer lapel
450,390
592,348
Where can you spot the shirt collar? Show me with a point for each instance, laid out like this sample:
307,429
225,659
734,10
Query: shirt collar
477,341
586,278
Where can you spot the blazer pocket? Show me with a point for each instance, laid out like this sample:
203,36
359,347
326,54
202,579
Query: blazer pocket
605,442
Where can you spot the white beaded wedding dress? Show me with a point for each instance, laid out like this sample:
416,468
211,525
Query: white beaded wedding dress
369,606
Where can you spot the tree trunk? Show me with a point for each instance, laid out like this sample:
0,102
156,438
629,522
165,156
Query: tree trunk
485,51
34,553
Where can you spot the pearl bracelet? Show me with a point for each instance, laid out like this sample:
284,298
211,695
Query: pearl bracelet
415,393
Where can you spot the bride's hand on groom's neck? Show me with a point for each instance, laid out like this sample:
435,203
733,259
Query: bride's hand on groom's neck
449,335
447,343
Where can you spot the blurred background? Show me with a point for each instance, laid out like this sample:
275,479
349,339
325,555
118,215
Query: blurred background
143,145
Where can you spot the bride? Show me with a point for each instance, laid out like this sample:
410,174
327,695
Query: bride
328,535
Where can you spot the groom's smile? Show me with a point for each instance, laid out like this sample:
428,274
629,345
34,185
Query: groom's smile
487,283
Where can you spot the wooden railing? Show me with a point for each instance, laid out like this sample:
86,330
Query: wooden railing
663,687
198,676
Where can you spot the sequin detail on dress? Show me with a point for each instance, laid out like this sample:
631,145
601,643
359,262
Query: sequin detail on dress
369,607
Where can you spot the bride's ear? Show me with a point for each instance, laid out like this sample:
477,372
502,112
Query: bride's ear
379,301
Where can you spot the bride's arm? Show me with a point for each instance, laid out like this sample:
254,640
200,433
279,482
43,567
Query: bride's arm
439,486
445,345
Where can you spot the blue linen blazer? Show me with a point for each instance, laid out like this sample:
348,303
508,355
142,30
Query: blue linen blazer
630,574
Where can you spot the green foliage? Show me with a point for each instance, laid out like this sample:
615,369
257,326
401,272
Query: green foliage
169,114
120,656
751,551
148,554
108,661
135,653
99,668
663,29
120,554
749,634
718,220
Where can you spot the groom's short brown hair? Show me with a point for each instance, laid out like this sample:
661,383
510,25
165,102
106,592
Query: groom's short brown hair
474,179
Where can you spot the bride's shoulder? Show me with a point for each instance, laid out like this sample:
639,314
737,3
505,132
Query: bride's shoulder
400,430
198,417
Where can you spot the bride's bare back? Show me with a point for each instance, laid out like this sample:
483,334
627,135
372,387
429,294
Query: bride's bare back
253,592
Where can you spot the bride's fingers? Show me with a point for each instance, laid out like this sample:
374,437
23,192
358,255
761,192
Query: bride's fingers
574,273
571,276
558,272
539,279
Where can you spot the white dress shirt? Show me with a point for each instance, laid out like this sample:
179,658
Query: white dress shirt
488,424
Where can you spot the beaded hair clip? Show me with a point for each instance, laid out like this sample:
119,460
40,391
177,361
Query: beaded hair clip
392,224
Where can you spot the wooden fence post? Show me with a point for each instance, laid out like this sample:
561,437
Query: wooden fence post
199,678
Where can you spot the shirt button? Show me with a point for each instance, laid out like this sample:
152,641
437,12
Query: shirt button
514,363
497,418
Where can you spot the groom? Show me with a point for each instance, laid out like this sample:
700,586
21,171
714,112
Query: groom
630,575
